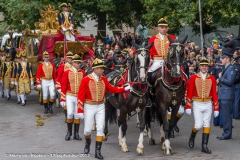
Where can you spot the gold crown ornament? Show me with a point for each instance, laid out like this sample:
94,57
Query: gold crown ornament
18,55
7,55
98,63
23,54
1,49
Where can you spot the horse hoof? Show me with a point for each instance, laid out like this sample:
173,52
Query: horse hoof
140,150
151,141
167,153
125,149
138,125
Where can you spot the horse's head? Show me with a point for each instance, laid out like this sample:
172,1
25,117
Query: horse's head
141,60
176,56
99,52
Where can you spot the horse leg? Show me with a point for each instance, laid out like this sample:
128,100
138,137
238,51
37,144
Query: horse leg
138,125
120,133
124,129
151,141
105,137
166,144
162,135
140,147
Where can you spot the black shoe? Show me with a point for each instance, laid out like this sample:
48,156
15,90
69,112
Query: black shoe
222,138
23,104
98,154
7,98
76,130
10,95
25,101
18,102
172,134
87,146
221,126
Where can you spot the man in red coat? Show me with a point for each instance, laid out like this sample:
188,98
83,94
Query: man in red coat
91,97
62,68
71,81
158,53
45,79
202,95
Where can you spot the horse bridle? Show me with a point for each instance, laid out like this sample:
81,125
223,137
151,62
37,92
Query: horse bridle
178,48
143,53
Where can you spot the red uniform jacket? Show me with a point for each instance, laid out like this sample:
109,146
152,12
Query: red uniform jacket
160,48
93,92
71,81
45,72
202,90
62,68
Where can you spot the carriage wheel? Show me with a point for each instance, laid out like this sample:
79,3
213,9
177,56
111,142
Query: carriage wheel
40,98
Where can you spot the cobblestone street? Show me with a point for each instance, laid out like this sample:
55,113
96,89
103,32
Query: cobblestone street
20,137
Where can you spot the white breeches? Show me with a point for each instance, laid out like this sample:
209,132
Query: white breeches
202,112
71,103
48,85
156,64
91,111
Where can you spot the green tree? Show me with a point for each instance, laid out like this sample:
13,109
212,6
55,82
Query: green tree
111,12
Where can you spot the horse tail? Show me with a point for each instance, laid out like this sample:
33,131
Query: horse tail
112,114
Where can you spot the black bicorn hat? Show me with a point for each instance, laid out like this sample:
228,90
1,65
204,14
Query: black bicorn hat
98,63
162,22
204,61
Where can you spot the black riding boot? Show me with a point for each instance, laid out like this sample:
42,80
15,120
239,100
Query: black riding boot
191,139
205,138
76,130
50,107
45,108
69,132
98,154
87,146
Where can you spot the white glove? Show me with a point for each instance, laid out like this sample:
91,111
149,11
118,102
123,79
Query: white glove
59,91
0,81
12,83
32,83
128,88
16,83
216,113
63,104
64,29
39,86
188,111
70,28
80,115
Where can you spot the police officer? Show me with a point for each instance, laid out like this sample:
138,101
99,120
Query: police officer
236,105
226,94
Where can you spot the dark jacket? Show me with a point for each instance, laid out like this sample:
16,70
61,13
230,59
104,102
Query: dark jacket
233,44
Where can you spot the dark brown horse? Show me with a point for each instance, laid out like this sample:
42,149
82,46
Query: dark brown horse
133,101
169,89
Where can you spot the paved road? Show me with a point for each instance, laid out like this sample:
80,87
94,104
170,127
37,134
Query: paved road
20,136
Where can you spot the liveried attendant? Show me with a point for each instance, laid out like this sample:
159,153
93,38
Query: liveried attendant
45,80
71,81
91,97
